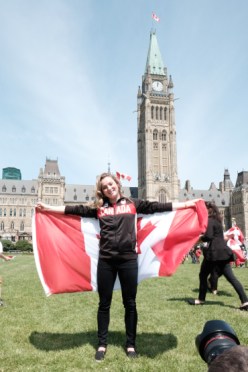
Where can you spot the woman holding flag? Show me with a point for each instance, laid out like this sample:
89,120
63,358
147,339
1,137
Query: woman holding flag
117,256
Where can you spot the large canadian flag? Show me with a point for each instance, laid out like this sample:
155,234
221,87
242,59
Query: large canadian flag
66,247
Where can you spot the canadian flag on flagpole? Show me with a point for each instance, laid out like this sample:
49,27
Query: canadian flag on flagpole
123,176
66,247
155,17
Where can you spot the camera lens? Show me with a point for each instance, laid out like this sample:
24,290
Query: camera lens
216,337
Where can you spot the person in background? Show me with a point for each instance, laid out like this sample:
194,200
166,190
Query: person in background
244,248
198,253
117,217
217,256
5,258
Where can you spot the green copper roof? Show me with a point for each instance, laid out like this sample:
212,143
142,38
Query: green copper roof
154,59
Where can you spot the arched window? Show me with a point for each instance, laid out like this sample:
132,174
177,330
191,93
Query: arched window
2,226
32,190
75,197
165,113
157,113
22,226
152,112
163,135
20,212
13,189
4,212
12,225
14,212
10,212
24,212
1,212
23,189
155,135
4,188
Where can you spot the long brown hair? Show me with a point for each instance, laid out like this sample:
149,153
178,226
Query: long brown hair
213,211
99,194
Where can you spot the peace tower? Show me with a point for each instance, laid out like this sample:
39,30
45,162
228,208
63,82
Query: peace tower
157,153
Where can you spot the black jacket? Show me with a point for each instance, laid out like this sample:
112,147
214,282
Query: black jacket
118,224
217,249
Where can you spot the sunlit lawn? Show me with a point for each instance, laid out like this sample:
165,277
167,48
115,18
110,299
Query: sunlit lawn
59,333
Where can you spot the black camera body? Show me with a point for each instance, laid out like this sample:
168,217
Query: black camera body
216,337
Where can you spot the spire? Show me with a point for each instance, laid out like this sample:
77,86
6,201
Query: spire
170,85
154,62
228,185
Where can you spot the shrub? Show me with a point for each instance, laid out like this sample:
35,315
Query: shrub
7,245
23,245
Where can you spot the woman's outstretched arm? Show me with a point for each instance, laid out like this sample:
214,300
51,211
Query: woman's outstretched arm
52,208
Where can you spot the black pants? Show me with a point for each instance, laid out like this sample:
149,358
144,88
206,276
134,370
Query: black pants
214,276
107,271
223,268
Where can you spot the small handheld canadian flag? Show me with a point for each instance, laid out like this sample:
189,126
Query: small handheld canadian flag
123,176
155,17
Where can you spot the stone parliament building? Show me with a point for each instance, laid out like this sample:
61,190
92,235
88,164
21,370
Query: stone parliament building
157,166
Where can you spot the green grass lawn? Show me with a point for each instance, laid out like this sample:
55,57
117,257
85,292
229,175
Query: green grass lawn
58,333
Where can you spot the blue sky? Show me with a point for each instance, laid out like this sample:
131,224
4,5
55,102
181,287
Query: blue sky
70,71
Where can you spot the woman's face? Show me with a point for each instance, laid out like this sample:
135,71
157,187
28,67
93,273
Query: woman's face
110,189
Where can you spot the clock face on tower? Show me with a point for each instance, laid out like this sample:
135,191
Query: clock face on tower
157,86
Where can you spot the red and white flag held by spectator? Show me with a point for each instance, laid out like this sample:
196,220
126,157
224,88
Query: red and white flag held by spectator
155,17
235,241
123,176
236,234
66,247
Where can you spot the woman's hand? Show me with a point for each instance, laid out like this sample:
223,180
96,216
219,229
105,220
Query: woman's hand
51,208
42,206
186,204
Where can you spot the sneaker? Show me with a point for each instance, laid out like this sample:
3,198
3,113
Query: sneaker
131,354
244,306
196,302
1,302
100,354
